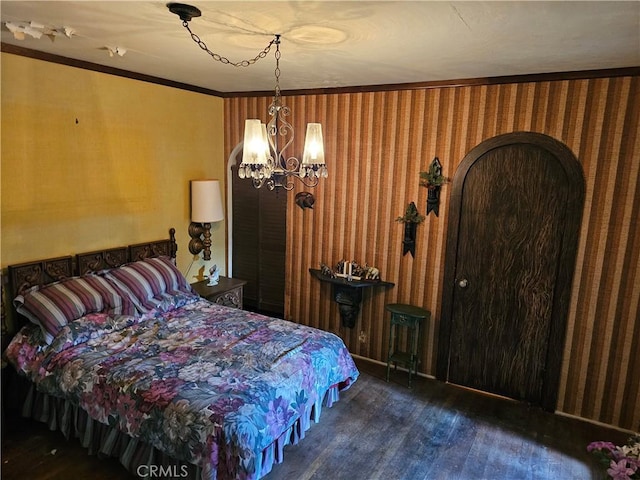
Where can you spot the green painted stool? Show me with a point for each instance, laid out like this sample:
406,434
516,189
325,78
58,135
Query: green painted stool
411,317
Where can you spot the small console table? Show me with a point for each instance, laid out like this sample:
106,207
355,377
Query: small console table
411,317
228,292
348,294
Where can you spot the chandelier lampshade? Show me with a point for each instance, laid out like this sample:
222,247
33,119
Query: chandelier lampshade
255,151
313,154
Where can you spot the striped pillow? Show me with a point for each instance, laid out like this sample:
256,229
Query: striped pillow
55,305
150,282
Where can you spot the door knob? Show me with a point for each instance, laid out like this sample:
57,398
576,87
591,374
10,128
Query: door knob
463,283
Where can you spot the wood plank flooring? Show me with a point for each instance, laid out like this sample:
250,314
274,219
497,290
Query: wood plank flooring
377,430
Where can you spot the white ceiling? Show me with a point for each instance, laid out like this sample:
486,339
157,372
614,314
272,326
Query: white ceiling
336,43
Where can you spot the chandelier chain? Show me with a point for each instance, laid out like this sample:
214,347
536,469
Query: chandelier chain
225,60
277,70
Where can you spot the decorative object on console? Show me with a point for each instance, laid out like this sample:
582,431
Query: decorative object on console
433,180
372,273
214,276
350,271
411,219
206,208
326,270
263,158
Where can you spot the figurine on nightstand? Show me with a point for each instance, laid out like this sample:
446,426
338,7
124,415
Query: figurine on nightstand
214,276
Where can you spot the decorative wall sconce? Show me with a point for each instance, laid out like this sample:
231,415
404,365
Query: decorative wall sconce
206,208
433,180
411,219
305,200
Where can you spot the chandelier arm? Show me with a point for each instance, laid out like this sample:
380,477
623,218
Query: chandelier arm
308,181
271,184
279,128
291,164
288,186
283,180
280,156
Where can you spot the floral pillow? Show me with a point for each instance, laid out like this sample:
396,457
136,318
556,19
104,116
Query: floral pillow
55,305
150,283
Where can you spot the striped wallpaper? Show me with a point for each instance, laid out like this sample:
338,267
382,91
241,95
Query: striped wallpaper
377,142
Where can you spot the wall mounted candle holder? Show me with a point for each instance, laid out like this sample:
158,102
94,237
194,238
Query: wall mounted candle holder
411,219
433,180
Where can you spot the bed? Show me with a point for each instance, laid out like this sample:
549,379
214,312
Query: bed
119,351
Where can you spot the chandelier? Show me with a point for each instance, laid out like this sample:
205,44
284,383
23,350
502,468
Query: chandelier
264,157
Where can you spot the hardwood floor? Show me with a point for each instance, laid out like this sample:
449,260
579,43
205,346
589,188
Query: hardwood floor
377,430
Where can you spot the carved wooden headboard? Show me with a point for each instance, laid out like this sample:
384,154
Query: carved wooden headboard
42,272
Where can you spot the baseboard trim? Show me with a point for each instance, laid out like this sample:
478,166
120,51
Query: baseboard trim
557,412
384,364
595,422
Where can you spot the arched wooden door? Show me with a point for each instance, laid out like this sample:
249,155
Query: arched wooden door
512,235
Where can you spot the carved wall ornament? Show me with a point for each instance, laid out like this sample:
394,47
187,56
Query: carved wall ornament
411,219
433,180
305,200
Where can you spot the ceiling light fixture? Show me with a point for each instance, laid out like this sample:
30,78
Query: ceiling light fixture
263,158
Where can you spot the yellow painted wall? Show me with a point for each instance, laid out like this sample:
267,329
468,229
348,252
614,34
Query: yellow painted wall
91,161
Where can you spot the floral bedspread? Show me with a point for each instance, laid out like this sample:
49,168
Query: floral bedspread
206,384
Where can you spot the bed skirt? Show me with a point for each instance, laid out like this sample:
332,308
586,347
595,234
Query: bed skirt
140,458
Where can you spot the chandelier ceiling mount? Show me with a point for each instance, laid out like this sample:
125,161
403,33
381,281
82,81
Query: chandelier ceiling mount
184,11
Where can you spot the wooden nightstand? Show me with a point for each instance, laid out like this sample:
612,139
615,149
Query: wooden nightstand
228,292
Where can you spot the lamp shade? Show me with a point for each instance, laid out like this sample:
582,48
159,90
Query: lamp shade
255,146
313,145
206,201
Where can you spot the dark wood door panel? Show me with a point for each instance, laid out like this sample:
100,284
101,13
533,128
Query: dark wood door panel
273,209
514,219
510,234
259,244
